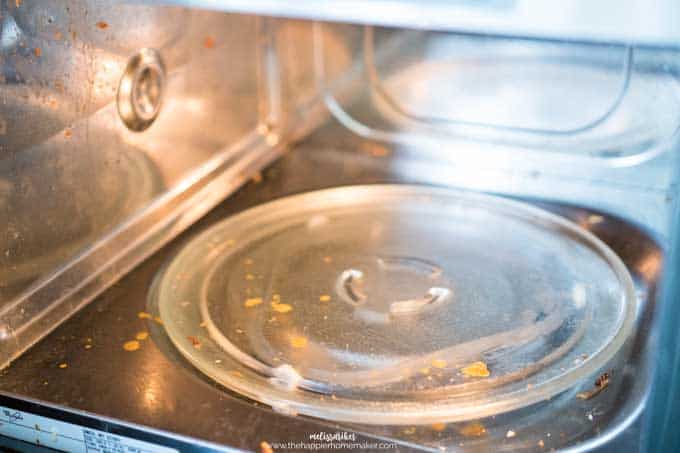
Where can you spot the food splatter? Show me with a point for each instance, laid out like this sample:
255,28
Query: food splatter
144,315
601,383
474,429
102,25
252,302
130,346
439,363
439,427
143,335
209,42
63,365
325,298
298,342
195,342
476,369
281,308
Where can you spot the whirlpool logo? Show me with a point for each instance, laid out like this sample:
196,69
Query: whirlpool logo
342,436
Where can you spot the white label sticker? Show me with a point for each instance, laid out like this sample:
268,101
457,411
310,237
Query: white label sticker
69,437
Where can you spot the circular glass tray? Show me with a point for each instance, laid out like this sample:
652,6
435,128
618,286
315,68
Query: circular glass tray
396,304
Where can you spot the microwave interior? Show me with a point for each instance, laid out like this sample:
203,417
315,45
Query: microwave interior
230,226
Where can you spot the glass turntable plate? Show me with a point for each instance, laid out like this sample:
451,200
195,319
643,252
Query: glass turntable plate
396,304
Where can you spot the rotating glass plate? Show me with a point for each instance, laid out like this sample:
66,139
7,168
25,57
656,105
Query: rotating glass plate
396,304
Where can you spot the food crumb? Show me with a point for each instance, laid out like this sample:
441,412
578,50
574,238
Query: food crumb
63,365
541,443
250,277
37,52
510,434
143,335
425,370
102,25
601,383
230,242
17,3
58,36
476,369
252,302
130,346
298,342
158,320
195,342
281,308
325,298
439,363
88,346
257,178
248,261
474,429
68,133
265,447
327,259
209,42
439,427
143,315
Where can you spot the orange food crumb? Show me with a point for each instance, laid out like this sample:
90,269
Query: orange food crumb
142,335
102,25
68,133
476,369
327,259
474,429
209,42
439,427
131,345
281,308
541,443
265,447
325,298
298,342
18,2
37,51
257,178
63,365
158,320
439,363
195,342
252,302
